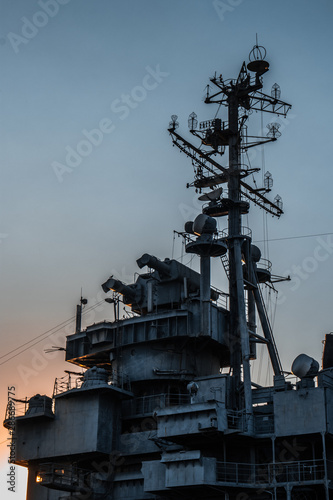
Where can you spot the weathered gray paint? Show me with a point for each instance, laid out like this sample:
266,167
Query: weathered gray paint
299,412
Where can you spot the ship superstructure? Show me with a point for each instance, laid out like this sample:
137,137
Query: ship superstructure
166,408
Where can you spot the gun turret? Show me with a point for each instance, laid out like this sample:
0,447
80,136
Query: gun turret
170,283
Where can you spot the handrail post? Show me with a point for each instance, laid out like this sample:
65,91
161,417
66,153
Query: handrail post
325,465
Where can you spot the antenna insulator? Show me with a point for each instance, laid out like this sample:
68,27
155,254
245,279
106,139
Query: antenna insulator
268,181
173,124
276,91
273,130
192,121
278,201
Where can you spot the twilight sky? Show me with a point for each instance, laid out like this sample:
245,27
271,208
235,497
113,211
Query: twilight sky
89,178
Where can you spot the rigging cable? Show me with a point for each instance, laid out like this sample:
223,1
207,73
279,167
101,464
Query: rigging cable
45,335
261,355
275,307
263,173
63,324
218,109
268,370
295,237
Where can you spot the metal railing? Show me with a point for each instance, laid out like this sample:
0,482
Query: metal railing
16,408
245,231
219,235
269,473
223,298
19,408
212,124
264,264
69,382
147,405
61,477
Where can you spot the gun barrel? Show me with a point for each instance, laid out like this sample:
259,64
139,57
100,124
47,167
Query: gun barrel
155,263
118,286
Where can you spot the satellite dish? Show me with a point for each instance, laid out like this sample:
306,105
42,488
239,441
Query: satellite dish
212,195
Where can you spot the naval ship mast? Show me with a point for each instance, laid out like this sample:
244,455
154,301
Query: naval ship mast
154,416
241,97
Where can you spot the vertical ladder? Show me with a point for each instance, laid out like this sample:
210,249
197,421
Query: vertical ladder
225,262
